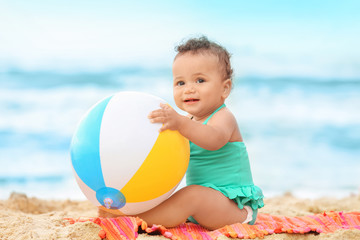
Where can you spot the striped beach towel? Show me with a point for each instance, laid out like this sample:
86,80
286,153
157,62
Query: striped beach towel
130,227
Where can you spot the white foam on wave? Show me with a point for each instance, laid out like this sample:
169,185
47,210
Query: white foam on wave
46,110
295,107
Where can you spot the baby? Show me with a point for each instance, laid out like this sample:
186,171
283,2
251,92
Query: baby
220,190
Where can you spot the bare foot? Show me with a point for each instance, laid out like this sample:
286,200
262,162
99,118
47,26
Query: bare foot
105,214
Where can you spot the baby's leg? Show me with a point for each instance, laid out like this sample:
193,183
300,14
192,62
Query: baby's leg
209,207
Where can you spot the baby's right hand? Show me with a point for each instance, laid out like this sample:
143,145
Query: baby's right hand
167,116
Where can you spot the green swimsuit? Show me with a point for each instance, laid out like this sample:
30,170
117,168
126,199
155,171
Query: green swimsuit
226,170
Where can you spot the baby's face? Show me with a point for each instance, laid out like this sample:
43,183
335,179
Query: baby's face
198,84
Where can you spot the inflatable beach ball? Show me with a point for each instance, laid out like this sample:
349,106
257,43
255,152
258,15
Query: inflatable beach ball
120,160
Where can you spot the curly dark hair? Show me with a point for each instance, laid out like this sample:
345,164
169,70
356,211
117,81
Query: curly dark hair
203,45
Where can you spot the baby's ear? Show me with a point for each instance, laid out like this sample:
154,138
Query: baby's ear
227,84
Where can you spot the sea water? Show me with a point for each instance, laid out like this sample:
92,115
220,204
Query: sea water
302,134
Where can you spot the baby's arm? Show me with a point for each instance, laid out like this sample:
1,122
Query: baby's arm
212,136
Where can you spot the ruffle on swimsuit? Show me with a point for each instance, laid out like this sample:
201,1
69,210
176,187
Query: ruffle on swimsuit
251,196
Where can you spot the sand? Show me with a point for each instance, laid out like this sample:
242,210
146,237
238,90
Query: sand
22,217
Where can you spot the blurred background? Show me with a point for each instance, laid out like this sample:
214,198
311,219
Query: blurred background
296,95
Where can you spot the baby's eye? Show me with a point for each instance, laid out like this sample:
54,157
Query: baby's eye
180,83
200,80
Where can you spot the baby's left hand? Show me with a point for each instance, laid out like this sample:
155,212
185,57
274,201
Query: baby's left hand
167,116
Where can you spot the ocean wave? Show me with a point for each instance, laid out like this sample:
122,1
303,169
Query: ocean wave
116,78
301,81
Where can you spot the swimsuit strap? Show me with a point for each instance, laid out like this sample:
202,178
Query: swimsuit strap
206,121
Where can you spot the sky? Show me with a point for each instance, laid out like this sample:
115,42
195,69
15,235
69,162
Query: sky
266,38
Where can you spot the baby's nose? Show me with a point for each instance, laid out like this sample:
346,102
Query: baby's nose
189,88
